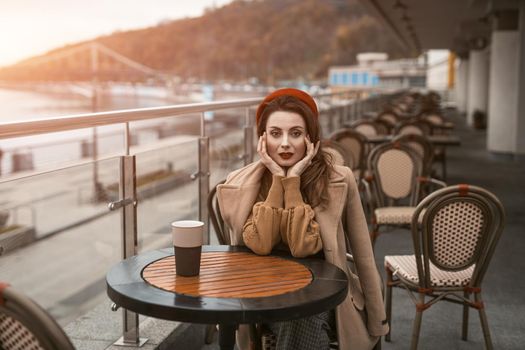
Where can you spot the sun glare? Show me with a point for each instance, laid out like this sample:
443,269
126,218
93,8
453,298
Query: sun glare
27,28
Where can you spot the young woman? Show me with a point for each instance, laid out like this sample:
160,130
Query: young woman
293,198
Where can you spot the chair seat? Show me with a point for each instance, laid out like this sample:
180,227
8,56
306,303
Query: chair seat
405,267
394,215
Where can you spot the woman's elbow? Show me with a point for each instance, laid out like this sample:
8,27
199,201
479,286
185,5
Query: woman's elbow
261,250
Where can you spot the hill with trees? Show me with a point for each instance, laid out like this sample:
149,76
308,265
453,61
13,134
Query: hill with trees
264,39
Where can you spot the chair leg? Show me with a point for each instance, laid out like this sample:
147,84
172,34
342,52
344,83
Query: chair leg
211,329
417,322
466,307
444,164
388,301
255,337
484,322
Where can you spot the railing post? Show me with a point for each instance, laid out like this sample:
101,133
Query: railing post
331,114
128,205
342,110
204,180
357,110
248,138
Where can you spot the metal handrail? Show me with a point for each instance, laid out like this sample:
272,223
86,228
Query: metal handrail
87,120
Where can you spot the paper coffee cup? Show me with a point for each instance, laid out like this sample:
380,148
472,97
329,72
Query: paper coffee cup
187,242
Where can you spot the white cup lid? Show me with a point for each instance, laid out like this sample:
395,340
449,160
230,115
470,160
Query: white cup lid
187,233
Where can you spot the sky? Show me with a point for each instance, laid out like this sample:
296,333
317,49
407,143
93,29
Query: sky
33,27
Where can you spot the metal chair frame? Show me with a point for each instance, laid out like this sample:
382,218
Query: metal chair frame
425,251
375,191
216,217
346,135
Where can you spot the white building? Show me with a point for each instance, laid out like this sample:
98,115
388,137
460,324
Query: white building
375,70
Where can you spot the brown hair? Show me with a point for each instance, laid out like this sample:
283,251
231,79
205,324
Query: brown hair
316,177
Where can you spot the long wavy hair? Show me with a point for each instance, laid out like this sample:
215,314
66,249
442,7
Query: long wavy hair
316,177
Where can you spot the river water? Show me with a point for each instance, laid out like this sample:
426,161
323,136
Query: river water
42,150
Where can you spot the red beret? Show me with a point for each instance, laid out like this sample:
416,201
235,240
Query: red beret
299,94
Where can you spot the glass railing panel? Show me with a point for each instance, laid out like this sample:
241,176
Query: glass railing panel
165,189
226,132
155,131
58,149
58,238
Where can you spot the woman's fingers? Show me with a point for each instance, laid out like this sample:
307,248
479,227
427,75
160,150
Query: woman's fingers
317,145
259,145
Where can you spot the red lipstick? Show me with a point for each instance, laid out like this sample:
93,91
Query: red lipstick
286,155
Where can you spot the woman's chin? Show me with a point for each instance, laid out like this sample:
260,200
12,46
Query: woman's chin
286,163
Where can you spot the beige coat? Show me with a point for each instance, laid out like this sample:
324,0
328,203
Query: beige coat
361,317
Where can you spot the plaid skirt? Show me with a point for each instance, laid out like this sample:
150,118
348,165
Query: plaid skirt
309,333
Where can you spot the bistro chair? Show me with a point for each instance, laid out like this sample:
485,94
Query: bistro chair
423,148
355,144
418,127
338,153
382,127
221,234
215,216
365,127
393,186
437,121
455,231
438,124
25,325
389,118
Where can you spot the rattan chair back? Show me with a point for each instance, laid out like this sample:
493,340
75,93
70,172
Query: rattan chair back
388,117
394,168
25,325
423,148
418,127
365,127
337,152
460,228
355,145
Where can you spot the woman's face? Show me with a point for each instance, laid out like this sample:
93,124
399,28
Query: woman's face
285,138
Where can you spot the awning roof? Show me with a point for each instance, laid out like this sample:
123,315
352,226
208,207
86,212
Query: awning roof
419,25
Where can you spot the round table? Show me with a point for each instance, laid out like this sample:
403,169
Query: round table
135,284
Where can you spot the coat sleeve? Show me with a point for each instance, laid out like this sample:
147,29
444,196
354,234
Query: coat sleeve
366,269
299,230
261,230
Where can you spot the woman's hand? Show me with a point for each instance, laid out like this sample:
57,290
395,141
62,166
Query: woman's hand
298,168
274,168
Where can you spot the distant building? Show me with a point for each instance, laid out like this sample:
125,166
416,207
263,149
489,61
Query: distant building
375,71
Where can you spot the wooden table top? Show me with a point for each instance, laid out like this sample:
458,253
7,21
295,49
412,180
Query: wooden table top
231,275
310,286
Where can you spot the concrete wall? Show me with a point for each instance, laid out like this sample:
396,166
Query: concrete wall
520,147
478,79
462,86
437,75
503,92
